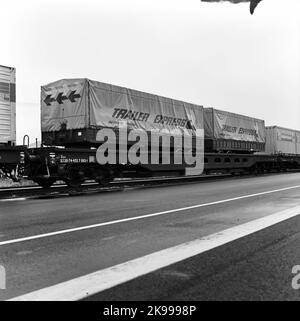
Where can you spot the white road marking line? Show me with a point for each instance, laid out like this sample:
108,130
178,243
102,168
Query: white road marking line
99,281
82,228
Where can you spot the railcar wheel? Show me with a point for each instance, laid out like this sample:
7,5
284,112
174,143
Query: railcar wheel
45,182
73,183
103,178
74,178
104,181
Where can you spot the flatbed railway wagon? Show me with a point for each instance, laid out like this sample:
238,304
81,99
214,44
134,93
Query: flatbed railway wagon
73,111
74,166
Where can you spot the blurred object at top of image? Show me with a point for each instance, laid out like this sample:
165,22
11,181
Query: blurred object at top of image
253,3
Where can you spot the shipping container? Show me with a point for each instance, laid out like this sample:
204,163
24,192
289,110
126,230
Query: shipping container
7,105
225,131
73,110
297,133
282,140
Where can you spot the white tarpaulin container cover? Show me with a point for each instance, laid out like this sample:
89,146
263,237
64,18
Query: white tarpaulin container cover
219,124
7,105
83,103
282,141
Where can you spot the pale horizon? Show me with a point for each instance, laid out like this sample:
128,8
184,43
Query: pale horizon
215,55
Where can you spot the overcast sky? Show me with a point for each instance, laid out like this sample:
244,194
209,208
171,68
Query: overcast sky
216,55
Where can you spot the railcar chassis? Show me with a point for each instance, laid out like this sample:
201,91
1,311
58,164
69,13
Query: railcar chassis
74,166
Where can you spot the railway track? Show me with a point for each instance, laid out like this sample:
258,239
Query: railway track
62,190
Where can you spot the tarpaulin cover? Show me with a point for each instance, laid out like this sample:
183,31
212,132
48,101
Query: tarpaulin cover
220,124
282,141
64,102
83,103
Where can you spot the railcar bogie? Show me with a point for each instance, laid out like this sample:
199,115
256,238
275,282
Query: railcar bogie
12,159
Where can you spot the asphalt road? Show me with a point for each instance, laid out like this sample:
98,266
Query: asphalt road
35,264
255,268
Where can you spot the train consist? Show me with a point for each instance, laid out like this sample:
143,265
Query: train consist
74,110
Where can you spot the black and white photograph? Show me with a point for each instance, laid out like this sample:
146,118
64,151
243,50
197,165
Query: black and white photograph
149,154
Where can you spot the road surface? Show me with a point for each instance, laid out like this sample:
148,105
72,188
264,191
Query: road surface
138,222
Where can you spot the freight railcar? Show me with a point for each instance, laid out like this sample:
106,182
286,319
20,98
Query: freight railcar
11,157
7,105
75,110
73,166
